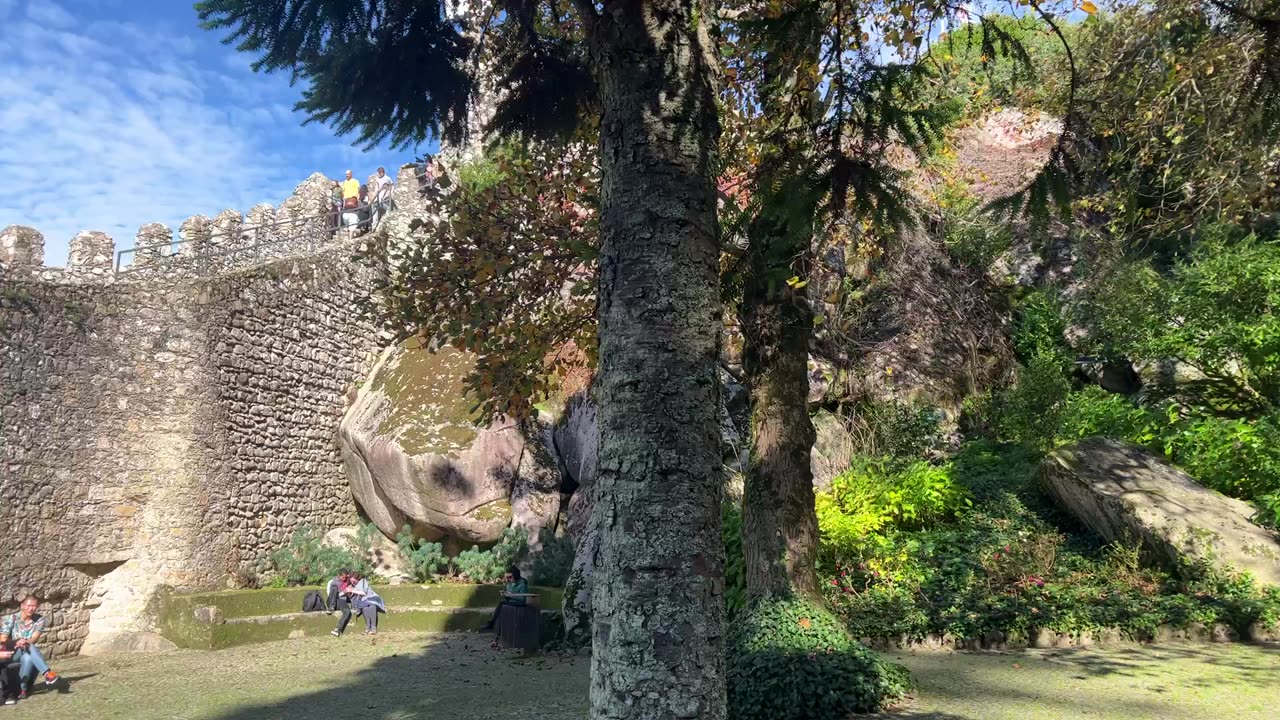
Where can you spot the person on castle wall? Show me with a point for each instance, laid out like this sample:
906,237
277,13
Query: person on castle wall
24,629
350,193
382,187
430,173
515,594
335,206
367,602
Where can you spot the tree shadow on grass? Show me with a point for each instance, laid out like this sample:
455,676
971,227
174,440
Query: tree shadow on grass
454,676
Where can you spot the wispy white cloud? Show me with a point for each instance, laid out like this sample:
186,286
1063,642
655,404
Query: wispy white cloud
50,14
120,124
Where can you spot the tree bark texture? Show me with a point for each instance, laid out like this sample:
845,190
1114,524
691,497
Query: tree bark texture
658,583
780,527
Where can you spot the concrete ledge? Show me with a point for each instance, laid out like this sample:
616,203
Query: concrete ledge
239,617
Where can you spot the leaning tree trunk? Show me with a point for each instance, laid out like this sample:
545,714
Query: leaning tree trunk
657,597
780,527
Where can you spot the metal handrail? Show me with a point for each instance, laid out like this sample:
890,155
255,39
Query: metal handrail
330,228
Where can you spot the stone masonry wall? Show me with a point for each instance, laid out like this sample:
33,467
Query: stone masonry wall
168,429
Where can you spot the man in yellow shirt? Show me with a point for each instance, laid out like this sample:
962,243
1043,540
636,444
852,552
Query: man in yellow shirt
350,192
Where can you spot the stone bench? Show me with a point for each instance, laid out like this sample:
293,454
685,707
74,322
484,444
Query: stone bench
214,620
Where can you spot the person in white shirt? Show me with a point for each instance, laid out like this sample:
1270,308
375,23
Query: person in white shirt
382,186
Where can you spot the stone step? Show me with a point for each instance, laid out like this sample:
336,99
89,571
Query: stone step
266,628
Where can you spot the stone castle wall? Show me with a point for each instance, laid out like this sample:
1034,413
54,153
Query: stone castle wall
171,425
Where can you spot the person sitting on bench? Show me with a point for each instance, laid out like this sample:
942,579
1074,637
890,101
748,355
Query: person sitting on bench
367,602
339,598
514,594
24,629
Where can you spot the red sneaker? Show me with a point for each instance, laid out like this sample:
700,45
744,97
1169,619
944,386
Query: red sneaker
50,677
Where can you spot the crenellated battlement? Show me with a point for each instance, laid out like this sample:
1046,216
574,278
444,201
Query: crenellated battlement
303,224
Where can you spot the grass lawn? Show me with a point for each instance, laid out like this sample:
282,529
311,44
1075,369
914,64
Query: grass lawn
457,677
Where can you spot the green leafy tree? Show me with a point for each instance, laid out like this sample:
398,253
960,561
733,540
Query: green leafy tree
645,72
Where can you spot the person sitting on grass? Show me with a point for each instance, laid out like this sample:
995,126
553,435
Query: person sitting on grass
9,682
513,595
24,629
367,602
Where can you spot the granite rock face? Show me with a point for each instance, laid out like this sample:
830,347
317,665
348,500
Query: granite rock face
1127,494
415,456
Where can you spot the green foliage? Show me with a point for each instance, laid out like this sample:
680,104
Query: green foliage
1007,566
1214,313
877,494
506,270
1015,62
485,566
899,429
552,566
386,71
425,560
735,562
1176,146
308,560
971,236
792,660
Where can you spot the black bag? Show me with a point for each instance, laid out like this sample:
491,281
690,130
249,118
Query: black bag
313,601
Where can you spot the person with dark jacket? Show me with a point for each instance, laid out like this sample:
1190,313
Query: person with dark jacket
339,598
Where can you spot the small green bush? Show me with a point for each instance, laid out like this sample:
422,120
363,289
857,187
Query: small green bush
792,660
552,566
972,237
425,560
485,566
308,560
879,493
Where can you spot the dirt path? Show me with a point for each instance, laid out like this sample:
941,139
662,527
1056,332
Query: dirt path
457,677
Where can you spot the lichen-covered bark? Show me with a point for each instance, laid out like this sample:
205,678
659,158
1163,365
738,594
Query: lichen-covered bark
780,527
658,581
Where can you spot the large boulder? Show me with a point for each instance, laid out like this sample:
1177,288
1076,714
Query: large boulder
924,331
383,554
415,456
577,440
1127,494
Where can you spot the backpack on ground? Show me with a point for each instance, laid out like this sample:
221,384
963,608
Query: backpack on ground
313,601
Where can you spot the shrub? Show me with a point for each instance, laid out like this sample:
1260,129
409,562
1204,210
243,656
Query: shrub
424,560
308,560
735,562
896,429
485,566
1008,567
876,494
552,566
972,238
792,660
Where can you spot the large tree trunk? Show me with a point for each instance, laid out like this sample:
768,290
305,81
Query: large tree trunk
658,582
779,525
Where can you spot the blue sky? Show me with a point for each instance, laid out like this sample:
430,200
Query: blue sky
117,113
